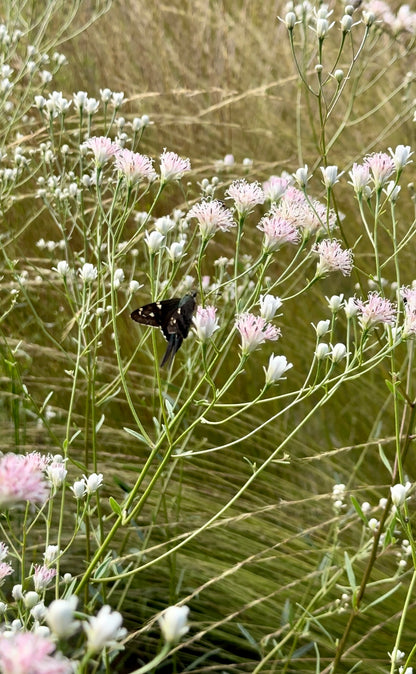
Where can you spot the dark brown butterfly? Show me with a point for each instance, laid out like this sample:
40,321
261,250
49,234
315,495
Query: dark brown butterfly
173,317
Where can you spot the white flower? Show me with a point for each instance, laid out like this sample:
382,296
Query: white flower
322,328
350,307
60,617
78,488
335,302
330,175
301,176
50,555
103,629
396,655
105,95
175,252
56,473
269,304
401,156
117,99
62,268
88,272
134,286
30,599
373,524
322,350
339,351
118,278
153,241
278,365
174,623
93,482
398,494
17,592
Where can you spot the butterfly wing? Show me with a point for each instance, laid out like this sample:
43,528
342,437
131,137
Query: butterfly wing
173,317
157,314
180,320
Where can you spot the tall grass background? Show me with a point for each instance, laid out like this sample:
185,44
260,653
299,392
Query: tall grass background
218,78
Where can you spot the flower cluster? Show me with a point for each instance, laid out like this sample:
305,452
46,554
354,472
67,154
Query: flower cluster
254,331
22,479
376,309
212,216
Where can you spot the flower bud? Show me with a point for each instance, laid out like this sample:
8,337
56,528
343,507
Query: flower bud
290,20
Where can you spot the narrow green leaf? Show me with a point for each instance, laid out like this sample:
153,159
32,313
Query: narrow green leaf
357,507
350,572
114,506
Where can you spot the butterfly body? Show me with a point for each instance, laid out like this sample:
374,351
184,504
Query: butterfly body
173,317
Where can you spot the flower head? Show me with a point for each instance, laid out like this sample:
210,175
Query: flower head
275,187
277,231
30,653
245,195
409,324
374,310
103,149
360,177
309,217
174,623
154,241
381,167
135,166
60,617
254,330
332,258
278,365
398,494
88,272
42,576
330,175
93,482
172,167
205,323
104,629
212,216
22,479
401,156
5,570
269,304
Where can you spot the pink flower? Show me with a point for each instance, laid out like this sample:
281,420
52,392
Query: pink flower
135,166
245,195
409,324
277,231
205,323
381,167
375,309
254,330
42,576
332,258
5,570
103,149
172,167
29,653
275,187
310,218
212,216
22,479
360,177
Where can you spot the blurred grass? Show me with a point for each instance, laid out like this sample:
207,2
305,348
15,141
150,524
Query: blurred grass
218,78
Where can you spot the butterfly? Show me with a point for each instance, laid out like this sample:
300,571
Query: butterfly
173,317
